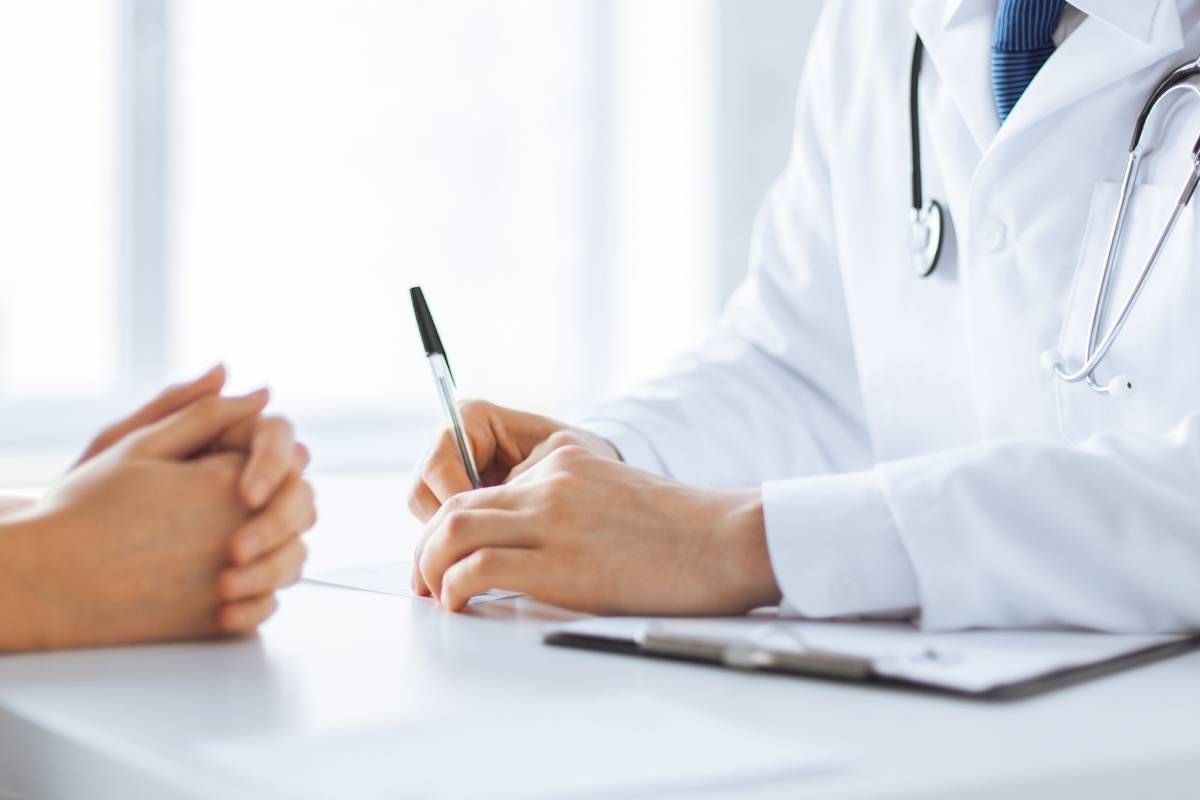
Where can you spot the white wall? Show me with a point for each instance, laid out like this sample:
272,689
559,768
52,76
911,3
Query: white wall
761,45
701,100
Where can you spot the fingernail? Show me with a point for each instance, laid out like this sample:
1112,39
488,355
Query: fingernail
257,394
250,545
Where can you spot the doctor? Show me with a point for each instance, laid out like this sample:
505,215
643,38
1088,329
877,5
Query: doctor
856,438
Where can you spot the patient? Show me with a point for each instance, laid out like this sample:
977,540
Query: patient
180,521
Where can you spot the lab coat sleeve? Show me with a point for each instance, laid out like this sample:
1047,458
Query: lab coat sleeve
773,392
1102,535
834,547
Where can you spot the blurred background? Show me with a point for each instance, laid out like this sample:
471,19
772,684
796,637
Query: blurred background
259,182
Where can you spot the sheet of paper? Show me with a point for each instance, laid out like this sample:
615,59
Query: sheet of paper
970,661
611,745
389,577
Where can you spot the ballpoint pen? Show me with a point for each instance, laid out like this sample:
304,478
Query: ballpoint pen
443,379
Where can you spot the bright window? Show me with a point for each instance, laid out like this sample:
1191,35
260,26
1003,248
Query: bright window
260,181
59,197
328,155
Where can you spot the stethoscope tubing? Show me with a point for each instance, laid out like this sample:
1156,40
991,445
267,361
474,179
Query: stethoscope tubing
914,121
1098,344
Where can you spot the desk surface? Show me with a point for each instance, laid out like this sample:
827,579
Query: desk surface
136,721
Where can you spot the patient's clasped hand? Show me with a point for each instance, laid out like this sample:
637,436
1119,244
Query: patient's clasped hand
180,521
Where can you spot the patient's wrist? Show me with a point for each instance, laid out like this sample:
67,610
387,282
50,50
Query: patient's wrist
25,616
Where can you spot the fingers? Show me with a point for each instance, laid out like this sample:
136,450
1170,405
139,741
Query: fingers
276,570
457,534
193,428
499,437
422,502
492,497
172,399
180,395
291,512
559,440
244,616
272,460
444,473
418,583
301,456
490,568
544,448
274,455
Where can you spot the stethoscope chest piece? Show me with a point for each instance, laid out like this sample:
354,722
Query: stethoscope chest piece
927,233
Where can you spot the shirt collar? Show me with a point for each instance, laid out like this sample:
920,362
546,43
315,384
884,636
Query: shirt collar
1132,17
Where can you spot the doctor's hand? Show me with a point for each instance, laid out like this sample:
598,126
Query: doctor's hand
506,443
592,534
134,544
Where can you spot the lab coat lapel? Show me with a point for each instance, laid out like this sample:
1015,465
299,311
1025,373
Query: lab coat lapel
957,36
1095,56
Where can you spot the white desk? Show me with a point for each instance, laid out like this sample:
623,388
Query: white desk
132,722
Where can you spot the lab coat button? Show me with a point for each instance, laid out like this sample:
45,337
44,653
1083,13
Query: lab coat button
991,234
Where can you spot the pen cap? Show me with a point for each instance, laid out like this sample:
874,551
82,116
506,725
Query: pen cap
429,334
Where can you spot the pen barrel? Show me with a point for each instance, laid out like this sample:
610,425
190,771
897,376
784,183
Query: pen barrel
445,387
441,368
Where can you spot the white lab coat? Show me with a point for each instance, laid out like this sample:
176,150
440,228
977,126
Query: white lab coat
913,452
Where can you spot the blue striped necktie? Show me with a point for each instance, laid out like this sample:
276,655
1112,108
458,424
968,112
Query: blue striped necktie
1022,42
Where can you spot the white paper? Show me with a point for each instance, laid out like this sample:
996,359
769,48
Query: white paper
616,745
969,661
389,577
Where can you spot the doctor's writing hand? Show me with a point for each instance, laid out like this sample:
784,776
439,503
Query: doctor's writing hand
131,545
592,534
505,442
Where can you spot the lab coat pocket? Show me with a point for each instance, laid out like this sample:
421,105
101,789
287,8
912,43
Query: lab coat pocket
1156,347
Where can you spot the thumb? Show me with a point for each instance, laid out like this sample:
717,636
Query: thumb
172,399
193,428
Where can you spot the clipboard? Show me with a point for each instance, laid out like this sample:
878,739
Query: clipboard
983,665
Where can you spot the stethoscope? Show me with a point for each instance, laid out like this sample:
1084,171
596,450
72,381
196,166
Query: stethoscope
925,216
928,229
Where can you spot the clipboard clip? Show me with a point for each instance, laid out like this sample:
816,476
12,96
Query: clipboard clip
748,656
